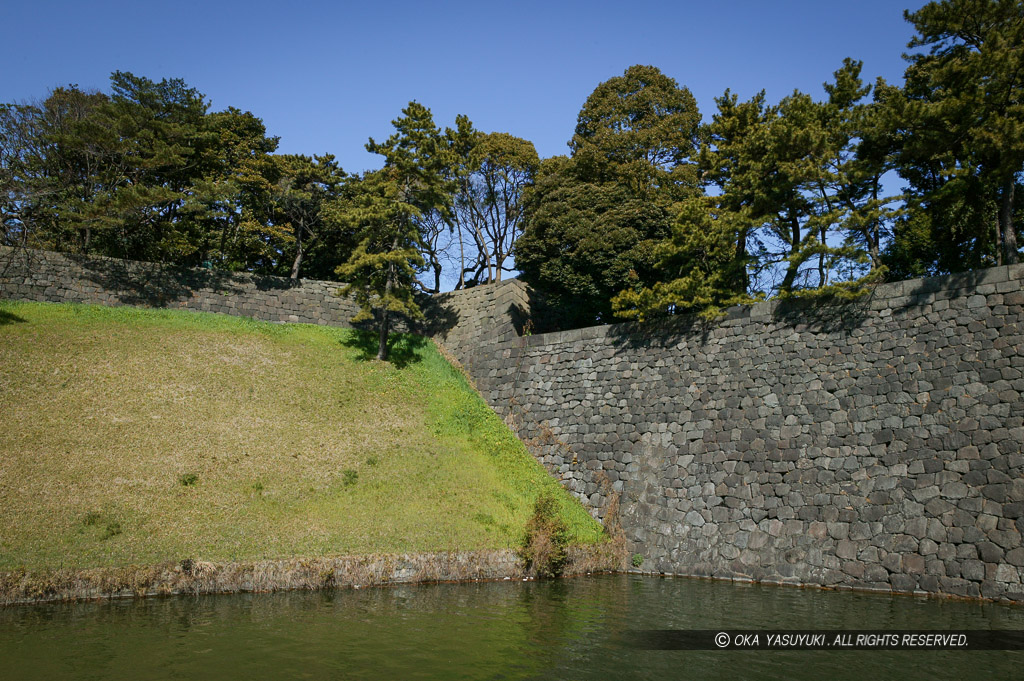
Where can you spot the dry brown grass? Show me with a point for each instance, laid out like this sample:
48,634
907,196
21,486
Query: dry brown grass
204,577
108,413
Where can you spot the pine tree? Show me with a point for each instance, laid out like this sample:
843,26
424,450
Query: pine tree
965,115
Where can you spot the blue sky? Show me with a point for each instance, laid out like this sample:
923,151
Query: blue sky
325,76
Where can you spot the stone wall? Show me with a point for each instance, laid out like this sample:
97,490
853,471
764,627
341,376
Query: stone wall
874,445
460,319
466,320
47,276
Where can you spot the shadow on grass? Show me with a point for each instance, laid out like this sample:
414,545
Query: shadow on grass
8,318
403,348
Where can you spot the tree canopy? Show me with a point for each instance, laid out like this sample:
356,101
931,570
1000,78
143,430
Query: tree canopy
594,219
653,212
492,172
962,119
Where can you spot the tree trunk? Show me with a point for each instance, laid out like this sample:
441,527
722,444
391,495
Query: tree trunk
1009,234
875,231
485,254
382,341
875,246
999,239
300,251
462,263
385,318
741,284
791,272
822,274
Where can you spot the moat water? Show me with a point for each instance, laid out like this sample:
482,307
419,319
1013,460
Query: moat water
567,629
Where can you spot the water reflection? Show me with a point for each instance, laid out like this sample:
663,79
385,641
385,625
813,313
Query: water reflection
505,630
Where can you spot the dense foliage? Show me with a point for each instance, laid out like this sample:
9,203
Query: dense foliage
654,212
146,172
595,219
961,124
791,197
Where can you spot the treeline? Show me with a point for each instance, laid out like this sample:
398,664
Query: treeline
654,211
148,172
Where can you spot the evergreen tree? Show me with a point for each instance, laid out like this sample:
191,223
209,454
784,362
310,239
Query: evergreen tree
593,221
386,209
302,199
50,168
798,211
584,241
146,173
802,182
382,268
964,142
698,263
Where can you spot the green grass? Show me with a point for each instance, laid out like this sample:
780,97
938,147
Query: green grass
131,436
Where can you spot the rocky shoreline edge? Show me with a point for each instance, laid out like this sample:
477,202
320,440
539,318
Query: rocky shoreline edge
194,577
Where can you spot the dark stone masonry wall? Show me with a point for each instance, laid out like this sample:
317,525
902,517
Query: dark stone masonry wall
46,276
460,320
468,320
876,445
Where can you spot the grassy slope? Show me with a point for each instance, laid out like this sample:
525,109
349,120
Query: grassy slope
298,444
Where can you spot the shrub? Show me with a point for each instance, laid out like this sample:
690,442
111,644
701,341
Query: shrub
547,538
638,560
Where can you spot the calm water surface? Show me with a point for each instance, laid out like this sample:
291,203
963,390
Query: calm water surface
568,629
